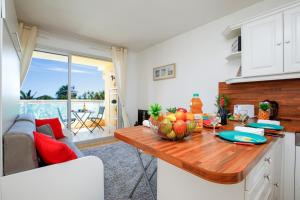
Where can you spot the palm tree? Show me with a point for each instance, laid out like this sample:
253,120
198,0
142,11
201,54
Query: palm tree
100,95
93,95
45,97
27,95
62,92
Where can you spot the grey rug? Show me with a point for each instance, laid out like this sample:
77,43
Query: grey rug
121,171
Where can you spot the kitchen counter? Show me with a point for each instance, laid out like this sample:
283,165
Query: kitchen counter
201,154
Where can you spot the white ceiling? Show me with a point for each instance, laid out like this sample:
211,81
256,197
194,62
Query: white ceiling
136,24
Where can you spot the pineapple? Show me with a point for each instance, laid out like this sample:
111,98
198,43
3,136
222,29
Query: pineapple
172,110
264,111
154,112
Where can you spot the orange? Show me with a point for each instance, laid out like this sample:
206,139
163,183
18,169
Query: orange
190,116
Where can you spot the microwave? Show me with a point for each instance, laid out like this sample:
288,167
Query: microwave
244,108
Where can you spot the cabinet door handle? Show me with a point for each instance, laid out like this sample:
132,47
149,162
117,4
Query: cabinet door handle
278,44
276,185
287,42
267,177
268,160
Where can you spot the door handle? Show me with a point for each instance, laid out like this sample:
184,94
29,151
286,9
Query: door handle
287,42
267,177
268,160
278,44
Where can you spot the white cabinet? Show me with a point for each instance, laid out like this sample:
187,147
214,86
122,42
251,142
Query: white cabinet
277,170
270,45
258,184
262,46
263,182
292,40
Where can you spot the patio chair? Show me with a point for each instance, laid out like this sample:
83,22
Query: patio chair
97,120
63,120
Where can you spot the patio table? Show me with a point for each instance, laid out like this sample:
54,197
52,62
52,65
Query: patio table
80,116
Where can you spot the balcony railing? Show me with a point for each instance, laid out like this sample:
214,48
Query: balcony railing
49,108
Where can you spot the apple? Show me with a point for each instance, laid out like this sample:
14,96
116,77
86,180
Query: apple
182,110
180,128
171,117
165,126
180,115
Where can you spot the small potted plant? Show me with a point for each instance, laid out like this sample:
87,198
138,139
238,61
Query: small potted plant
264,110
222,103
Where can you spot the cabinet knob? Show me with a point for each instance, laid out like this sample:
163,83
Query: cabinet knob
278,44
276,185
267,177
268,160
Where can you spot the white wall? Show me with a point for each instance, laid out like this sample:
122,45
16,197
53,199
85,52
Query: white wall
70,44
9,76
10,82
200,60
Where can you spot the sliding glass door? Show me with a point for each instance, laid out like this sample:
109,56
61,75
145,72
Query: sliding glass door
87,96
72,88
44,91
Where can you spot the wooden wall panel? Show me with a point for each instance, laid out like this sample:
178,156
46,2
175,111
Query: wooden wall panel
285,92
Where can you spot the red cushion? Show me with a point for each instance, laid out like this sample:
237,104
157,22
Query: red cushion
51,150
55,125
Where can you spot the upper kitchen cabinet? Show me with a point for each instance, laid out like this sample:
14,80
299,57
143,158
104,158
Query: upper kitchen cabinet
262,46
292,40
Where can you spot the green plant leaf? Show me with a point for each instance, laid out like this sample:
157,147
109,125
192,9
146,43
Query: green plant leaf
264,106
154,110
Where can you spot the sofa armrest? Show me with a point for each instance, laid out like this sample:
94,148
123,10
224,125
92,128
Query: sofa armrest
67,133
78,179
19,153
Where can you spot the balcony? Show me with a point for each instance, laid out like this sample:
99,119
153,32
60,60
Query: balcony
49,109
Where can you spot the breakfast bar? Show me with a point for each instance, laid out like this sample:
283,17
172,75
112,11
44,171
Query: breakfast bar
203,165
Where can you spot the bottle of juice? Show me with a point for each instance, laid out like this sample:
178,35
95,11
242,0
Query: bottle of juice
196,109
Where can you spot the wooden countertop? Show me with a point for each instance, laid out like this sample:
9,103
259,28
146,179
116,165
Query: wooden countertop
201,154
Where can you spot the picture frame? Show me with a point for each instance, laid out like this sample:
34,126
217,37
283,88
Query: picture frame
164,72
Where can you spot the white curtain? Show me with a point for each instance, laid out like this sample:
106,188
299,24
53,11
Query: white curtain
28,36
119,58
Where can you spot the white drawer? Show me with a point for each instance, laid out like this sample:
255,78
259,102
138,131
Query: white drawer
262,189
263,168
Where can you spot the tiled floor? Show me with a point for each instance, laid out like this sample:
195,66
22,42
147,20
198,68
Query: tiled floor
84,135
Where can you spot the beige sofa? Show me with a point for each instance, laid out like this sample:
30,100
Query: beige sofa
78,179
18,146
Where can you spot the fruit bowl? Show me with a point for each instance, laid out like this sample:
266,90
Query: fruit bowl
172,130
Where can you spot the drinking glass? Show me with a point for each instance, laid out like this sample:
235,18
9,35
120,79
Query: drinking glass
215,120
243,116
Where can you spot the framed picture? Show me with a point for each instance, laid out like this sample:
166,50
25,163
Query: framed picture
164,72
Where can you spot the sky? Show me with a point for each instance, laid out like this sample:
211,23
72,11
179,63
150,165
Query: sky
45,77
